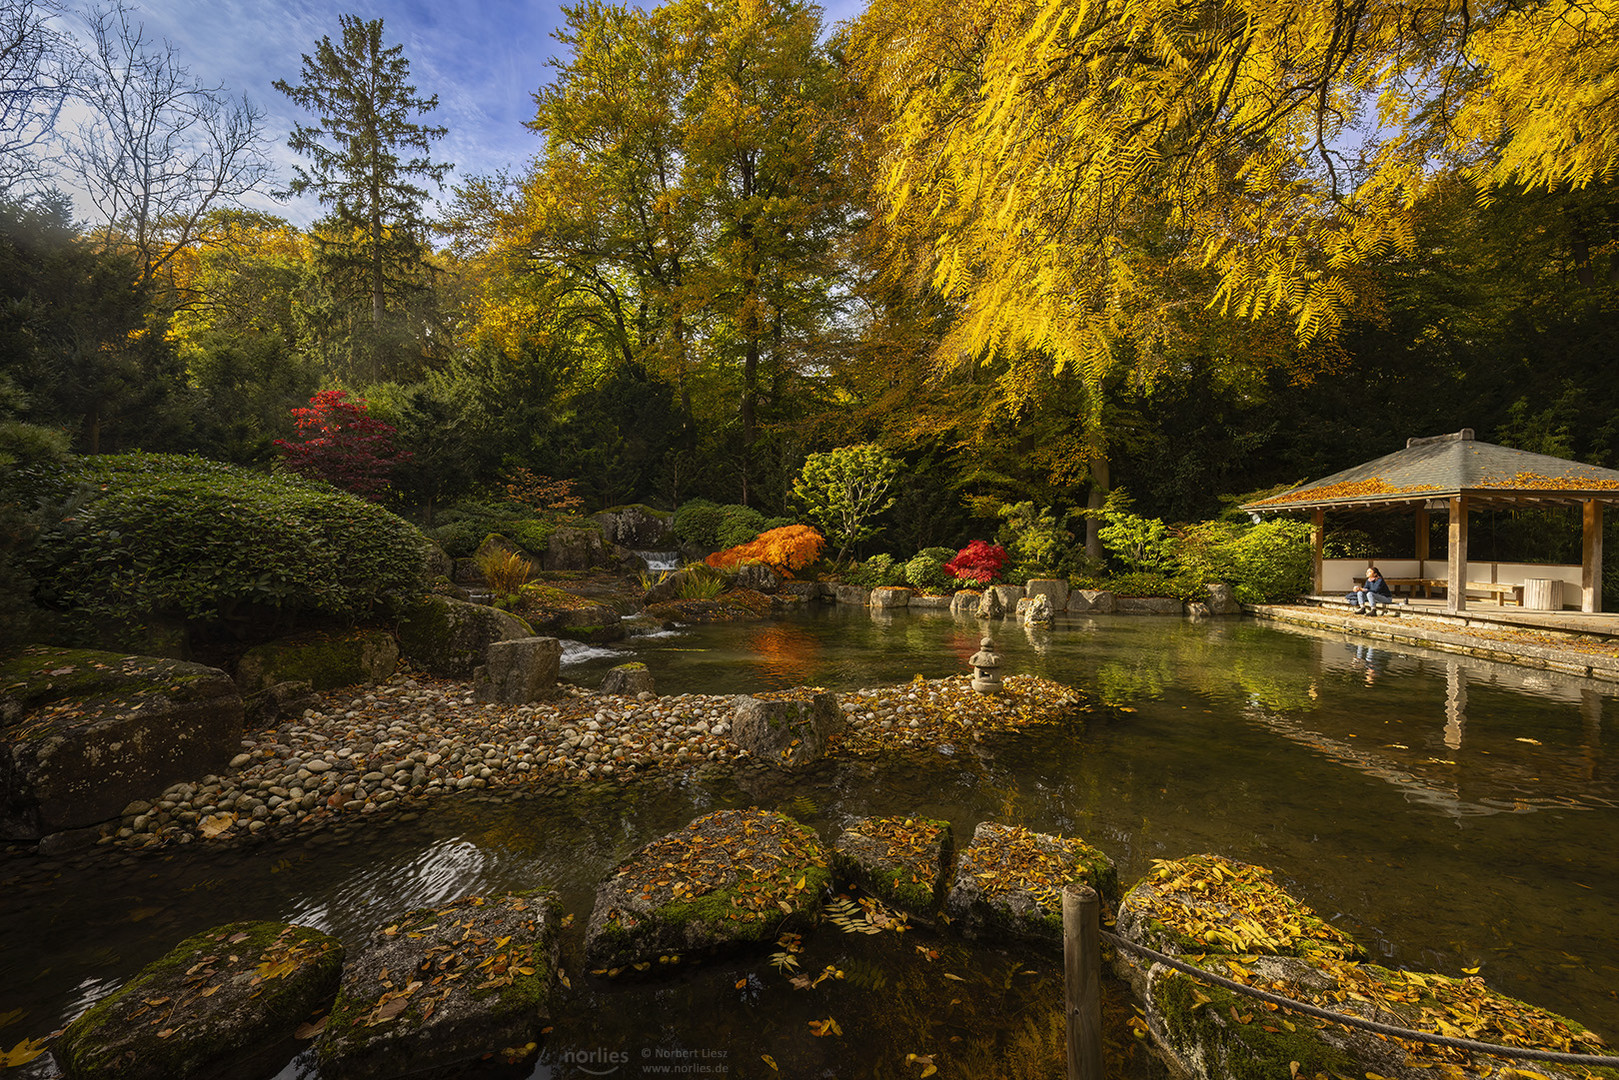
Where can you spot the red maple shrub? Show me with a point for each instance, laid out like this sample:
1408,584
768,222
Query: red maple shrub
978,563
343,445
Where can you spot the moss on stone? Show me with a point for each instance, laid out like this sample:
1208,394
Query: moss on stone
1198,1019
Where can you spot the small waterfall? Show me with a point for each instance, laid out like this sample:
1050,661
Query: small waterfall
660,562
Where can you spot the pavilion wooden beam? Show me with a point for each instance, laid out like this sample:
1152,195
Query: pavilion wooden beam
1318,540
1456,580
1591,558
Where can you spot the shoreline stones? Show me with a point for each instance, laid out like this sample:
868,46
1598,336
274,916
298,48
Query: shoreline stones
729,879
444,985
213,1001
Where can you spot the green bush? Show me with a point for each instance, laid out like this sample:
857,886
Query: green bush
706,524
462,528
1038,541
176,536
1269,562
926,570
878,571
742,524
1147,583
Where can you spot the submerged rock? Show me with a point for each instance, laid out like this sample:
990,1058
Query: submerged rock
83,733
904,862
1211,905
445,985
206,1007
729,879
1010,880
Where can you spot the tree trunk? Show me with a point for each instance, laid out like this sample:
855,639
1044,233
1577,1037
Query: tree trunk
1100,485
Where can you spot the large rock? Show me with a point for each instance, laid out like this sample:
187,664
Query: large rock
632,678
1214,1033
758,577
965,602
853,595
324,661
1148,605
929,603
85,733
812,592
1223,600
785,732
518,671
1092,602
1210,905
1009,883
449,638
206,1007
575,548
1035,610
903,861
889,597
637,527
730,879
1055,588
445,985
282,701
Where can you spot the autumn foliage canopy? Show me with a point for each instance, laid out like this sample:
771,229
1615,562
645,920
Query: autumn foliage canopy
342,444
791,547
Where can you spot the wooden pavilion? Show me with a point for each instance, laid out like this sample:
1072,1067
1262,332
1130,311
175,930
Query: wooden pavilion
1455,475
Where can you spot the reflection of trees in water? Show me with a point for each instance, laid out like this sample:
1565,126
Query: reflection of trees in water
787,655
444,871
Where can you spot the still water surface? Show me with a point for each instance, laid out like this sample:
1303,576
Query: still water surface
1450,813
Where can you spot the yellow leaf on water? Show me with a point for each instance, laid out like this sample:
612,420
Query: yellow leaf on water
23,1052
956,978
768,1060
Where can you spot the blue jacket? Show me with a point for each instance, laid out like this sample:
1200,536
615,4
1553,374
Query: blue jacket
1379,586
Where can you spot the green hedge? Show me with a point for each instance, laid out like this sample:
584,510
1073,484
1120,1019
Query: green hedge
167,535
462,528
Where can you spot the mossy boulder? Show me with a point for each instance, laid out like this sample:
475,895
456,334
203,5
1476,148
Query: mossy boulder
786,731
1214,1033
449,638
83,733
1210,905
903,861
1009,883
637,527
445,985
731,879
575,547
207,1007
632,678
324,661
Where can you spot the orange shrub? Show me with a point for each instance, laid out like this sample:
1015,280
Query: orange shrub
791,547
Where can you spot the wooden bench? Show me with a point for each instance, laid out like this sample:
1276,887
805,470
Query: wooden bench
1500,590
1412,584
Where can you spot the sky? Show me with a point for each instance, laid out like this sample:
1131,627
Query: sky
483,58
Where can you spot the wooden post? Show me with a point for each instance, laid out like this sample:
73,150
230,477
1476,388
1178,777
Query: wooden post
1591,558
1082,980
1318,539
1456,583
1422,542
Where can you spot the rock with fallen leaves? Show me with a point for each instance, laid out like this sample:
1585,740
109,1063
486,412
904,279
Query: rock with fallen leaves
1009,883
730,879
445,985
84,733
903,861
1213,1032
1207,904
786,731
207,1007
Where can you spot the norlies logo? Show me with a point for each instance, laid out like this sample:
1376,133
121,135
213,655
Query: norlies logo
598,1062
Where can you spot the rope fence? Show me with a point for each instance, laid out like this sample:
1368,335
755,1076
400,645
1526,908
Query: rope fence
1086,908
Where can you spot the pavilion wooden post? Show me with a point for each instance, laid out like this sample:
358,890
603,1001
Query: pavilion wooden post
1318,540
1422,543
1591,558
1456,582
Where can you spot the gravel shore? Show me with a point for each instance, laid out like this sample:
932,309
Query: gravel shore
397,744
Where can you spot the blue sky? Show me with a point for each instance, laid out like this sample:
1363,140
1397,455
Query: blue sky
483,58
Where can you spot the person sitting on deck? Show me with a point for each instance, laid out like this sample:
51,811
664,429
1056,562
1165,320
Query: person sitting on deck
1365,598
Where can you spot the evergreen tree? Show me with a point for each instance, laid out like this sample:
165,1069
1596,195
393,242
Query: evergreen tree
361,160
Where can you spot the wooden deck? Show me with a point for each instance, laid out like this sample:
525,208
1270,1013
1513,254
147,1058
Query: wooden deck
1567,621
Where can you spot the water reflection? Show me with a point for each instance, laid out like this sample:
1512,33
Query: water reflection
443,872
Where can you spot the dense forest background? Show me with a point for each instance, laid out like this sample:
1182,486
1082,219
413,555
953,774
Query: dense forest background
744,237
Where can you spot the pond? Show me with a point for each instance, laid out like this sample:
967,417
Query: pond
1452,814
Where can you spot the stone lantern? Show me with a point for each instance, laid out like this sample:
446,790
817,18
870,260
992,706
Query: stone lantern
986,667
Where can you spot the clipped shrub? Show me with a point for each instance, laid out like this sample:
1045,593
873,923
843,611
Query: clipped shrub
463,527
741,525
926,570
789,548
878,571
179,536
1269,562
1147,583
698,522
979,563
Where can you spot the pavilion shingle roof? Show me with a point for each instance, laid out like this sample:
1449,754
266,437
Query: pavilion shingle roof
1448,466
